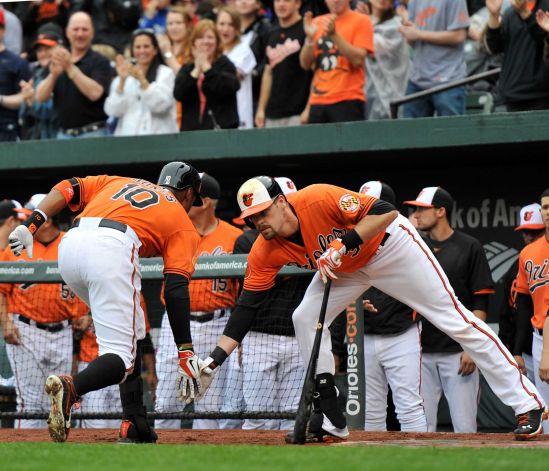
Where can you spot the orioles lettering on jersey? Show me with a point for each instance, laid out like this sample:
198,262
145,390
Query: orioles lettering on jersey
538,275
533,278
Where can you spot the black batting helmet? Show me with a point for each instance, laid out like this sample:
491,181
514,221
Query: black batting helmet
178,176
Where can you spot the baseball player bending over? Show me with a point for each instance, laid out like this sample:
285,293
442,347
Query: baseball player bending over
121,220
359,241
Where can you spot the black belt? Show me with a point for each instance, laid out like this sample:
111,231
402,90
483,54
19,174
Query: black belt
119,226
92,127
209,316
539,331
385,237
54,327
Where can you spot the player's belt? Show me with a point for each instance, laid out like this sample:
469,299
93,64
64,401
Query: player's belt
385,237
50,327
118,226
209,316
539,331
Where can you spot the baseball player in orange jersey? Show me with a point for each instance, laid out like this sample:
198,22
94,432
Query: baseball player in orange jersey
358,241
532,303
37,330
211,304
122,219
107,399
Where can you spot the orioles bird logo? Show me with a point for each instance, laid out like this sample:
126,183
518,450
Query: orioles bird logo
528,215
247,199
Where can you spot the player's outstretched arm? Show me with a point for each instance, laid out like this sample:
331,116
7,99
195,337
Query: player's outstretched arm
22,236
236,329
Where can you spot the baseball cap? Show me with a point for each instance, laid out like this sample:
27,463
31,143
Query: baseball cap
530,218
10,208
433,197
257,194
378,190
34,201
49,39
286,185
209,187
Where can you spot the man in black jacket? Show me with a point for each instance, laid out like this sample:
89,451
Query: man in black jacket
524,79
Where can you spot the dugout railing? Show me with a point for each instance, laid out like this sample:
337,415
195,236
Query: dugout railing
207,267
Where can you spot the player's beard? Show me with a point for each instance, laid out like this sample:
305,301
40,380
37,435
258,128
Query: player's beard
267,232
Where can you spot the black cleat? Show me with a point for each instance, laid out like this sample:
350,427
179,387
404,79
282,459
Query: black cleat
530,424
319,436
128,434
63,396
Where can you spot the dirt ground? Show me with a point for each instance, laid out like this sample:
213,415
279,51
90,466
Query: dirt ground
265,437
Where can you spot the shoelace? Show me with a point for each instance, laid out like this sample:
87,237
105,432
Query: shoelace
523,419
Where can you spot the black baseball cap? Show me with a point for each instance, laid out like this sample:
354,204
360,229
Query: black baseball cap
433,197
10,208
210,187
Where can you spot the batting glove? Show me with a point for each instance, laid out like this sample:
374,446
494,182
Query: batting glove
330,260
19,239
188,382
207,373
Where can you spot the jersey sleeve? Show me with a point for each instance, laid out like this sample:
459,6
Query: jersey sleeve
480,279
262,268
87,188
457,16
180,251
346,207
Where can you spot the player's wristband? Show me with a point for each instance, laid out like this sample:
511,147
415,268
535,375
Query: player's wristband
351,240
218,356
35,220
185,346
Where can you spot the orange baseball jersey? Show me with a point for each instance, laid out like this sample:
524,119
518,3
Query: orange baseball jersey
89,349
533,278
325,213
159,220
335,78
208,295
42,302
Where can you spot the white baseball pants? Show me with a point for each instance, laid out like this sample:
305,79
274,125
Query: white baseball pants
439,373
101,265
543,387
405,269
216,399
394,360
273,378
40,354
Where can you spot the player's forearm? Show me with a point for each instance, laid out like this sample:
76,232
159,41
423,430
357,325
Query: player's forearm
371,225
444,38
53,203
227,344
356,55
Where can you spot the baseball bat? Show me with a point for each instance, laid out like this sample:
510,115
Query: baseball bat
306,400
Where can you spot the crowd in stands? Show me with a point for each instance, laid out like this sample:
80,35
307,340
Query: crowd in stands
82,68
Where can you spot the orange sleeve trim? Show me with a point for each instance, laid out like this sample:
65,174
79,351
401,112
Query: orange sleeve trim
485,291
